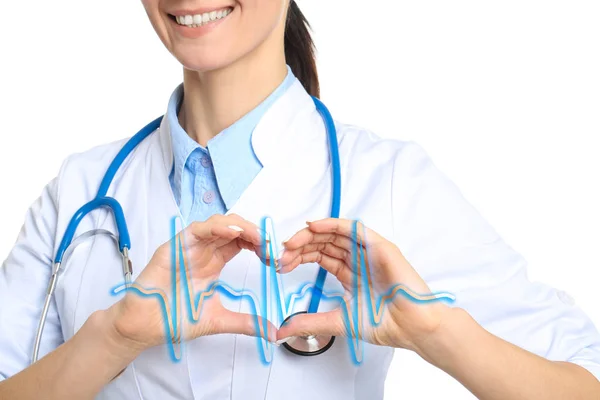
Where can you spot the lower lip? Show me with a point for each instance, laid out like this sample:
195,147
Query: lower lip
194,33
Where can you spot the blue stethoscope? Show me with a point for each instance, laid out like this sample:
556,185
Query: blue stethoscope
304,345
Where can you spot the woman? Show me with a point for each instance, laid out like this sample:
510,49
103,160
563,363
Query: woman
242,123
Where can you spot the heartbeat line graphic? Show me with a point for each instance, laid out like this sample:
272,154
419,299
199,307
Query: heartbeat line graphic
271,281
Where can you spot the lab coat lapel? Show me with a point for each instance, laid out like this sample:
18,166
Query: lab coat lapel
291,143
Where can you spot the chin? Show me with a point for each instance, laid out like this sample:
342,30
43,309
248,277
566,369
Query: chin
210,58
203,64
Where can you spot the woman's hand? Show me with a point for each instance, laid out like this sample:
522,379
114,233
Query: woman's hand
207,247
334,244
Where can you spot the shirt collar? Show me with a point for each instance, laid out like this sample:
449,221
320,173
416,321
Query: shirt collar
293,106
182,144
234,160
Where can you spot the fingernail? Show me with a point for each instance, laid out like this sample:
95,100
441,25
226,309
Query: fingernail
284,340
235,228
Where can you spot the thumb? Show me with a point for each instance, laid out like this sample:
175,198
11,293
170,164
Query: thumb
306,324
245,324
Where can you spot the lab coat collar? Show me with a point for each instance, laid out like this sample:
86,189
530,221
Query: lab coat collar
272,138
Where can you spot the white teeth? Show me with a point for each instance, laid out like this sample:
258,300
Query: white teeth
194,21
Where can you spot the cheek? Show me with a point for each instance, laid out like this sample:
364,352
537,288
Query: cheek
258,20
264,14
260,17
152,8
256,24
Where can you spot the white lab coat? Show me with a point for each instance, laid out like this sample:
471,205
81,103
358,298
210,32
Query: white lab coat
391,185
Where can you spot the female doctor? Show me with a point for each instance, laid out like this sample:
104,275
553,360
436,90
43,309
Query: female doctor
242,122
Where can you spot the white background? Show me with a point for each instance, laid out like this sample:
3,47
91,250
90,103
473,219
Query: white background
504,96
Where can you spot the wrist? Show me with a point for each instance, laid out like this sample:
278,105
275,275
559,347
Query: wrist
442,344
119,345
95,350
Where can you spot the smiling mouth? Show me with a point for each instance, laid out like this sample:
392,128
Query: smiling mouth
197,20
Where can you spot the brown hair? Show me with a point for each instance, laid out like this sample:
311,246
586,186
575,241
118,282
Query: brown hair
300,50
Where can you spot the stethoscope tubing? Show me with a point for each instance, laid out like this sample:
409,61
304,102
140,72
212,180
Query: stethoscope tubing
336,194
101,200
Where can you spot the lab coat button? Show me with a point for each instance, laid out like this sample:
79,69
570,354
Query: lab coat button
208,196
205,161
565,298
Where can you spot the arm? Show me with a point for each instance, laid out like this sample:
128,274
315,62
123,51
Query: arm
508,338
24,277
492,368
79,368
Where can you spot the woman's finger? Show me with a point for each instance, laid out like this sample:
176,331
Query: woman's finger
220,229
306,236
326,248
250,231
210,230
332,265
233,248
188,244
352,229
306,324
245,245
226,321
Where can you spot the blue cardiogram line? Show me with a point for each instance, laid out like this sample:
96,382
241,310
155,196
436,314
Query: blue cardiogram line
270,279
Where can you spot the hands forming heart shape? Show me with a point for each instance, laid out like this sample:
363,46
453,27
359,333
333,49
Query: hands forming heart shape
333,243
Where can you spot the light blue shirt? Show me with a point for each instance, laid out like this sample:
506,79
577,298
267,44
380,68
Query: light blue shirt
207,181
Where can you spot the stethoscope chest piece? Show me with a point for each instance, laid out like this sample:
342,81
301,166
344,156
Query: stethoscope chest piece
312,345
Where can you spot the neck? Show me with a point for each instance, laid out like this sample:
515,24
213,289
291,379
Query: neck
214,100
